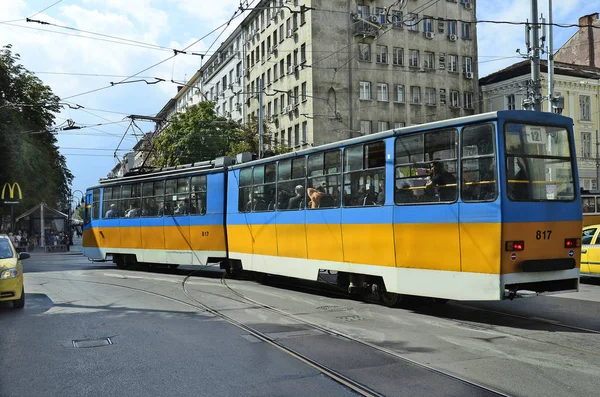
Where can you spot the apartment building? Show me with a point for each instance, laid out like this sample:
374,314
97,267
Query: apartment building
336,69
580,88
327,70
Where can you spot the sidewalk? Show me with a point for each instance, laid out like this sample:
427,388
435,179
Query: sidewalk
75,249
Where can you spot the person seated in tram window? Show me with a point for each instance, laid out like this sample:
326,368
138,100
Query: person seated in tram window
182,207
132,212
295,202
520,190
165,209
251,202
439,180
381,195
319,198
112,212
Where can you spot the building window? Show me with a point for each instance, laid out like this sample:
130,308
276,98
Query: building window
297,134
400,93
364,52
365,127
453,63
454,100
415,94
305,132
511,102
430,96
383,126
412,22
466,31
413,59
303,91
399,124
427,24
382,92
397,19
429,60
586,144
365,90
451,28
468,100
303,53
467,65
380,15
382,54
584,108
398,56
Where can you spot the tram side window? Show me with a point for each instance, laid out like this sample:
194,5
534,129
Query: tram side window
364,175
264,186
131,200
111,202
426,167
96,204
153,198
245,190
198,195
177,200
478,164
324,177
291,191
589,205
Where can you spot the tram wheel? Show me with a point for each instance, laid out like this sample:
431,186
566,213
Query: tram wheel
262,278
120,262
390,299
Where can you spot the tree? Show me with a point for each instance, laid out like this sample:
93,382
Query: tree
197,134
30,155
247,140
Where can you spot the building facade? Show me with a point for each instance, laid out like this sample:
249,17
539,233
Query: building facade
583,48
336,69
327,70
580,88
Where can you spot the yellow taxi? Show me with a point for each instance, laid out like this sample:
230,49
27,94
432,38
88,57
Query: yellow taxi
590,251
11,273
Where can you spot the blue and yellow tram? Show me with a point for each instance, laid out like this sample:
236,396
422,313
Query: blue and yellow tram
476,208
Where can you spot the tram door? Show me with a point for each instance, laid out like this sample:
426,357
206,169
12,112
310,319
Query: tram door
479,206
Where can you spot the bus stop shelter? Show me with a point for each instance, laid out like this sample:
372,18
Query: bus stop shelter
41,220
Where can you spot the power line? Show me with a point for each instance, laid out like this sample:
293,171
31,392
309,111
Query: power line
50,6
154,65
145,45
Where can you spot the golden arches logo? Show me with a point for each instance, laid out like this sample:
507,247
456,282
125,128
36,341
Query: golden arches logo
11,190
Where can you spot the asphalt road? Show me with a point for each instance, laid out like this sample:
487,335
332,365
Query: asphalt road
162,342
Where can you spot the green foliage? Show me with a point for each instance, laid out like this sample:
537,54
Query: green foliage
247,140
29,155
196,135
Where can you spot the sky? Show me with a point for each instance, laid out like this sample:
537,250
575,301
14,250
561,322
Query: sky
73,63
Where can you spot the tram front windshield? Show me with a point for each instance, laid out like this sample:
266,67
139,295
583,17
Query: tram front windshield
538,163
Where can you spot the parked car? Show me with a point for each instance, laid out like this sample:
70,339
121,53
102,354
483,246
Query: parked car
590,251
11,273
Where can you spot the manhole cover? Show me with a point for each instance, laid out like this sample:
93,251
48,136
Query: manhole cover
92,342
333,308
349,318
